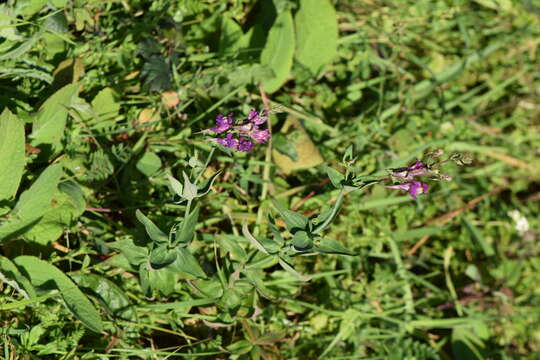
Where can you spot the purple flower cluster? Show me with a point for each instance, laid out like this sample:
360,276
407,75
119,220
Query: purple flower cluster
241,137
408,175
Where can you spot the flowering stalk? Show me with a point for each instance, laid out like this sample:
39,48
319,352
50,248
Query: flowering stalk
241,137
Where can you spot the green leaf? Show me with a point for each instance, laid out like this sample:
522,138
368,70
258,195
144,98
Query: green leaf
161,256
467,341
186,263
287,267
301,241
293,220
278,51
335,177
48,128
43,274
110,296
135,254
190,189
176,185
33,203
67,206
231,36
149,163
12,155
8,271
331,246
105,106
151,229
186,232
162,280
316,34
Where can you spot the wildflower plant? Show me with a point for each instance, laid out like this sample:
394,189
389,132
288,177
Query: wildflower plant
240,136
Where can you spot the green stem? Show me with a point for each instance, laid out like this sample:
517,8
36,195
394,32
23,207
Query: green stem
208,159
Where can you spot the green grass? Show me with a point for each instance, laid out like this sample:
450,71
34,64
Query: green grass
117,93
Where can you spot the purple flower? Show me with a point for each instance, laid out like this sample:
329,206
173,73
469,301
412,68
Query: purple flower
260,136
409,173
413,187
223,123
228,142
245,145
242,136
257,118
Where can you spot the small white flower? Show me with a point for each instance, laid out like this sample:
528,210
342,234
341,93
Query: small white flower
522,225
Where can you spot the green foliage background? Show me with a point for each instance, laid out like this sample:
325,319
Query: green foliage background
102,101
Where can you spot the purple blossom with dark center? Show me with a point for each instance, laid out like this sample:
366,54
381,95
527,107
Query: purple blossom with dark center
412,187
223,123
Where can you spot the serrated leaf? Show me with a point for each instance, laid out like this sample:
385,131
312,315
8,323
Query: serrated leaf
12,155
43,274
316,34
278,51
151,229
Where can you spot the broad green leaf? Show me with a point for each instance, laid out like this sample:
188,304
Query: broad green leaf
8,271
67,206
301,241
161,256
176,185
49,126
43,274
186,263
105,106
331,246
11,154
135,254
316,34
34,201
110,296
162,280
278,51
231,36
293,220
151,229
149,163
32,204
190,189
